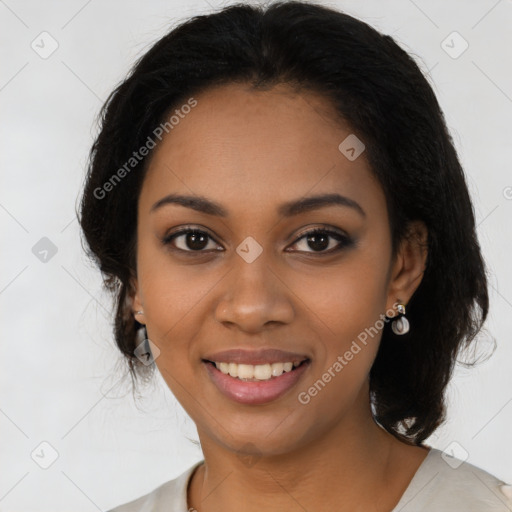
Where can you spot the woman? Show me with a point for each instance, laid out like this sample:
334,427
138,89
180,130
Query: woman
277,206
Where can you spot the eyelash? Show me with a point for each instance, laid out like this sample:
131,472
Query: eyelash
344,240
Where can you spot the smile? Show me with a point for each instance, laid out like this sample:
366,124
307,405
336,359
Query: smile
258,372
255,384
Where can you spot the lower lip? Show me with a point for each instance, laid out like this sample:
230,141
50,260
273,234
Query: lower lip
255,392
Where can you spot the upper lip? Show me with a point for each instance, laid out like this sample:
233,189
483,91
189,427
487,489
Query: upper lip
254,357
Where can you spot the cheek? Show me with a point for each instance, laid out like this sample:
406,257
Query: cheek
350,339
171,294
346,299
345,304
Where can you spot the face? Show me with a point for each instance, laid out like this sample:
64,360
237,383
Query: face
250,275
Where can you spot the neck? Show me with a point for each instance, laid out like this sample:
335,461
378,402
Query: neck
350,467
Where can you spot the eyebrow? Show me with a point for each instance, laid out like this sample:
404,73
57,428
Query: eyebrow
288,209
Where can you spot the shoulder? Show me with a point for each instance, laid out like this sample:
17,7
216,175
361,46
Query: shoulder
171,495
445,483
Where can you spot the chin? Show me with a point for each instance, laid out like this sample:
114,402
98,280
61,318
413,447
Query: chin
262,436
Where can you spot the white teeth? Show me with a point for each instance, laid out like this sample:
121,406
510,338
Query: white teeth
245,371
256,372
232,369
277,369
262,371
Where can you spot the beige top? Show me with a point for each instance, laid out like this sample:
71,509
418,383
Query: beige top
440,484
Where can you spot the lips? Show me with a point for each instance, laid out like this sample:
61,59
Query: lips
254,391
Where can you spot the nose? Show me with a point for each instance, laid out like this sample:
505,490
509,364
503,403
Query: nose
253,297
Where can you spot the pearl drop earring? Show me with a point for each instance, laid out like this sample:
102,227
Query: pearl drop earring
401,324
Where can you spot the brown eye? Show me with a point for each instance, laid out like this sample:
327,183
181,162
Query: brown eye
189,240
320,239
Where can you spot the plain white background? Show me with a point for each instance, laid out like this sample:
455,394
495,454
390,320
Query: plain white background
61,377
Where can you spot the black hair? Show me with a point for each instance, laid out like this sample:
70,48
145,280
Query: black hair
378,89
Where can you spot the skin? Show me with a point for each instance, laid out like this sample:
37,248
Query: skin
250,152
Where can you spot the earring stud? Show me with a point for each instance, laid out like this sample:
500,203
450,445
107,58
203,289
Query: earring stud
401,324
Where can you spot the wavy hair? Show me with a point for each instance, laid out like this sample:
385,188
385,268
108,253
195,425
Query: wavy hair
378,89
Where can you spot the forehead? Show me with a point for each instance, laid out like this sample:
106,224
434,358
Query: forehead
265,147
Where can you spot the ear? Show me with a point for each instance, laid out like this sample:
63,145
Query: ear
409,265
136,301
